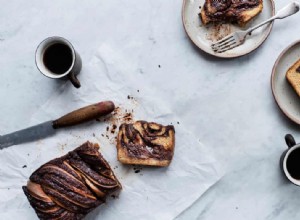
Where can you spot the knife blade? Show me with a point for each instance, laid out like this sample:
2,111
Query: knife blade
49,128
26,135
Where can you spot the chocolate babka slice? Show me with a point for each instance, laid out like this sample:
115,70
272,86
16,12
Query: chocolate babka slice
293,76
235,11
69,187
145,143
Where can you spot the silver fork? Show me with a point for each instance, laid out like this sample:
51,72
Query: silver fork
237,38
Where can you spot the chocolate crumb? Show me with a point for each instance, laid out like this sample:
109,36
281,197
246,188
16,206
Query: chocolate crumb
128,97
118,116
113,128
138,90
102,135
24,166
159,66
127,117
178,122
298,70
137,171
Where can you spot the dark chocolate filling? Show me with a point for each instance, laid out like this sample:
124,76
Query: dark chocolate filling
228,10
142,146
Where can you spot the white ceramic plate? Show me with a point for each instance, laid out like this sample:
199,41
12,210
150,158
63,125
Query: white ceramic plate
203,36
286,98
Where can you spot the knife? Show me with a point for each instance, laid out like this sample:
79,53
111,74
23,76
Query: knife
50,127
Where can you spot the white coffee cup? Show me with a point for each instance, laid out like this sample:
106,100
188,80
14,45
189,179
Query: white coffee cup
56,58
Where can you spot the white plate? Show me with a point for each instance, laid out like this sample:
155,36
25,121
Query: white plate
203,36
285,96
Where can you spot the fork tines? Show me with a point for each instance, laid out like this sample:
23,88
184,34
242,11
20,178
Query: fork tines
224,44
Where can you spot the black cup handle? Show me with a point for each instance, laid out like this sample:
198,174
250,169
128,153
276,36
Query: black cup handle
290,141
74,80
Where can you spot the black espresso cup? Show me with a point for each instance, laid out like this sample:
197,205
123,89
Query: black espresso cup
290,160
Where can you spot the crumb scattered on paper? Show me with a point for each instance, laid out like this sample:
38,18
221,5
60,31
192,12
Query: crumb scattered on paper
113,129
137,169
119,116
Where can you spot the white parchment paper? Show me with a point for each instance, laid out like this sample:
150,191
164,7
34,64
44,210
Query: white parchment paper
153,193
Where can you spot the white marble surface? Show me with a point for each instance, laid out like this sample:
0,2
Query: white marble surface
234,111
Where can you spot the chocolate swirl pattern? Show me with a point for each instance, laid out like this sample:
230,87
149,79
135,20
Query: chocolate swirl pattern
236,11
69,187
146,143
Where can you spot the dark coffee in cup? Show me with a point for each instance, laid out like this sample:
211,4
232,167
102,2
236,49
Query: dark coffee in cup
293,164
290,160
58,58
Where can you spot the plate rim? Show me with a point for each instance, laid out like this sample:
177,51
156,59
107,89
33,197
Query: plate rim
273,86
220,54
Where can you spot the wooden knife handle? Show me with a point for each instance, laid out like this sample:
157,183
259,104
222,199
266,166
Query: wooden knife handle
84,114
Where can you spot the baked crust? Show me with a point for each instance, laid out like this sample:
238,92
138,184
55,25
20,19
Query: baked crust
71,186
145,143
233,11
293,76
